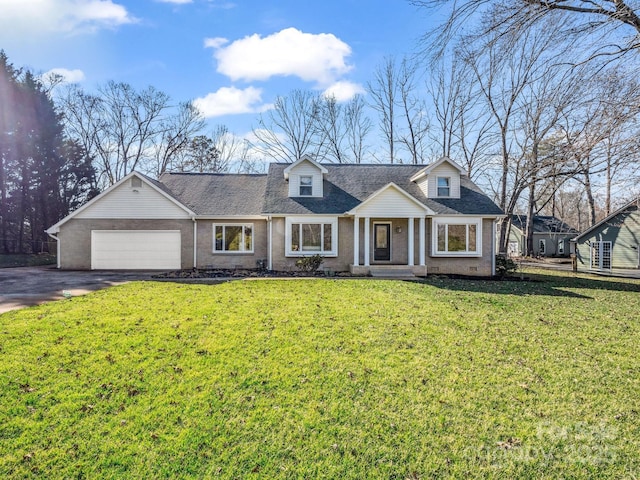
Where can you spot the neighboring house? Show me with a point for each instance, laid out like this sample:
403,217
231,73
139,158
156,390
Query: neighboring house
361,218
551,236
612,243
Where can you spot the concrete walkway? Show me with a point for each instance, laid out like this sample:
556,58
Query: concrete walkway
26,286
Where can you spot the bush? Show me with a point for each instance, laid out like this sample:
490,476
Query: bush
505,266
309,264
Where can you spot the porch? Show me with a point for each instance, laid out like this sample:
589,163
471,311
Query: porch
389,246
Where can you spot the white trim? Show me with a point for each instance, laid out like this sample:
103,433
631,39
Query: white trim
411,244
422,235
493,247
427,170
356,241
56,228
270,250
456,221
242,242
449,187
195,243
312,220
388,186
367,241
233,217
304,158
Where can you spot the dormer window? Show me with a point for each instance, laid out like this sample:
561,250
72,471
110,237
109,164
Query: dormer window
306,185
444,186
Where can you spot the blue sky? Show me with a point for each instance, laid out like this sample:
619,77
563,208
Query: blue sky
232,57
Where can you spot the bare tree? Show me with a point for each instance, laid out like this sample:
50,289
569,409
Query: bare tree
332,128
607,28
290,130
384,93
358,126
176,133
414,112
461,127
124,129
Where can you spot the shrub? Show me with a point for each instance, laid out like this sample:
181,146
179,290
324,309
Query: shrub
505,266
309,264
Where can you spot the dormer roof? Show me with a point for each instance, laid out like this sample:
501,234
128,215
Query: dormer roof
304,158
427,170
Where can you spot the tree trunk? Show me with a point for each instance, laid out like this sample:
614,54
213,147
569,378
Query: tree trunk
590,200
529,251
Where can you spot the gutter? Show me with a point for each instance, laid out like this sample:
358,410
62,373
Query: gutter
57,247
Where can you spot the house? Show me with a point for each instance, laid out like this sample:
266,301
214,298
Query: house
551,236
360,218
613,243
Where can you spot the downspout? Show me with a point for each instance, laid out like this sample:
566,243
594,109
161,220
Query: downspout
270,249
57,248
195,242
493,247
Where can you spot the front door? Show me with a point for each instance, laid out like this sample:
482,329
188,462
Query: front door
382,242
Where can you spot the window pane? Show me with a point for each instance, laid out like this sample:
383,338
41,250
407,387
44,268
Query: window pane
295,237
457,238
472,238
443,186
233,238
218,239
327,237
248,238
441,238
306,185
311,237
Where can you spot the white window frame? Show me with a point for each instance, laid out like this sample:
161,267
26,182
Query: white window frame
456,221
542,247
224,227
601,254
309,186
448,187
295,221
561,247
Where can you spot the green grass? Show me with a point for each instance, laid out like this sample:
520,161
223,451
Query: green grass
26,260
326,379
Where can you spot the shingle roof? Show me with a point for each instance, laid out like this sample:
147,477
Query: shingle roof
345,187
217,194
542,224
348,185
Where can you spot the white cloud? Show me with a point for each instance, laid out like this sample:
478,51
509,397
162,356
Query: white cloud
68,76
69,16
215,42
176,2
344,91
231,100
311,57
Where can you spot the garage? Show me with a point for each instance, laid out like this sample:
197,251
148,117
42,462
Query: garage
135,250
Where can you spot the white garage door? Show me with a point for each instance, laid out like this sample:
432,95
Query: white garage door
135,249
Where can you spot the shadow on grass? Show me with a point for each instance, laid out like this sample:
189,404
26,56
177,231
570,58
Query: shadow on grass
535,284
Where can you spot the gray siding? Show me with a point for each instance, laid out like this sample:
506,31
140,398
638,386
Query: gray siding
623,231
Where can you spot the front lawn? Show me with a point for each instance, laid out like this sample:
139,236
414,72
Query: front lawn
326,379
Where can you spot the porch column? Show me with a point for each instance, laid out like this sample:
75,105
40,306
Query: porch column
422,234
356,241
411,245
366,241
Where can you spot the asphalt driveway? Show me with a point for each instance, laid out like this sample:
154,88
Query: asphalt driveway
26,286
